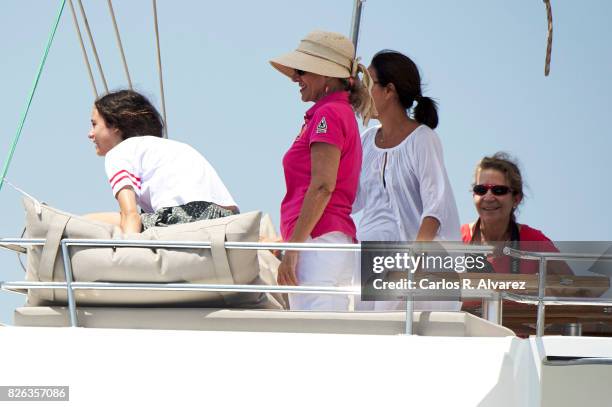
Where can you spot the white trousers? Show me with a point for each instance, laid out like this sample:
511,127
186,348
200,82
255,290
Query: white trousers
324,268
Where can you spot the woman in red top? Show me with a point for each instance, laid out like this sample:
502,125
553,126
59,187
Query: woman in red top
498,191
322,165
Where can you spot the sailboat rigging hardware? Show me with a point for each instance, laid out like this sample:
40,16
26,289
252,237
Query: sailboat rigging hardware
93,46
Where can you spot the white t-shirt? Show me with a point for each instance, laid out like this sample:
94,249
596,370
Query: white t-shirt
164,173
415,186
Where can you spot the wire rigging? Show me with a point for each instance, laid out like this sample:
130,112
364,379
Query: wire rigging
159,67
83,50
93,45
120,44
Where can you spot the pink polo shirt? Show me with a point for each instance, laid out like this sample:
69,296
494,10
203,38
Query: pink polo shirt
331,120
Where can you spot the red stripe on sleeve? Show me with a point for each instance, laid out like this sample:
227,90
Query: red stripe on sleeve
122,178
127,172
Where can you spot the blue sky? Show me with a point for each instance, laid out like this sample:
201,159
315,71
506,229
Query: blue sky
483,62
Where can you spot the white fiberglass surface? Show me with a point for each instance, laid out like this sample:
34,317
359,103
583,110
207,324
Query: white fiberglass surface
191,368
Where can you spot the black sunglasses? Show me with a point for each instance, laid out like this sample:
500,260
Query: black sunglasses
497,190
299,72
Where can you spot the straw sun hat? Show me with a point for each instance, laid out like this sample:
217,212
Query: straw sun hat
324,53
332,55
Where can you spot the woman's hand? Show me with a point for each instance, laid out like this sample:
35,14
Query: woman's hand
275,252
287,270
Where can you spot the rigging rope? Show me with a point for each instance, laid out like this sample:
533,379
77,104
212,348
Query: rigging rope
83,50
119,44
159,67
550,37
9,158
35,201
93,45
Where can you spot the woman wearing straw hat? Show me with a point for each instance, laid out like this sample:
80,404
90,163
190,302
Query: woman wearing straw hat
322,165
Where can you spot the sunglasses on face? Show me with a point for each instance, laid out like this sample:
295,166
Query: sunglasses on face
497,190
299,72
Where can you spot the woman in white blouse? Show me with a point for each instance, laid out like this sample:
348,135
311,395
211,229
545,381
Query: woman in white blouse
404,191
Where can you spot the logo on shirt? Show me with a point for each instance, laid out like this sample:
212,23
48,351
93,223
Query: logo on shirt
322,126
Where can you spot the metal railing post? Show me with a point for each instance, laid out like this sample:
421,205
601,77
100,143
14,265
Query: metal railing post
68,274
541,293
409,305
492,309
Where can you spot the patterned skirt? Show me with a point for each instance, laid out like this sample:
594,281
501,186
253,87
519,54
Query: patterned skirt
189,212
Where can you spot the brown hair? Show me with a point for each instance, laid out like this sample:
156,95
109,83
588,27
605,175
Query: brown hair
131,113
505,164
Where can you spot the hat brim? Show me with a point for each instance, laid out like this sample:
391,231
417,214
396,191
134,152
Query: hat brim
288,63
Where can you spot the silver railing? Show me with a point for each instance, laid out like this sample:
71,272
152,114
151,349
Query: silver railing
70,285
541,300
492,300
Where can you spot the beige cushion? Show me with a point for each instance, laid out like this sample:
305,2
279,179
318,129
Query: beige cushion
122,264
375,323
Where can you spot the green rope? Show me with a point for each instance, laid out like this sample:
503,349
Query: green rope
7,163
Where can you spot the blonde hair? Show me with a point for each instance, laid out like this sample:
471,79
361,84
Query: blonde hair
361,92
360,96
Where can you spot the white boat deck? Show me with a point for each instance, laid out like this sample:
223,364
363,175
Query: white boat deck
182,367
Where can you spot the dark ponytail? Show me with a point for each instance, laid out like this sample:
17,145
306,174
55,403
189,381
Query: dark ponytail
396,68
426,112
